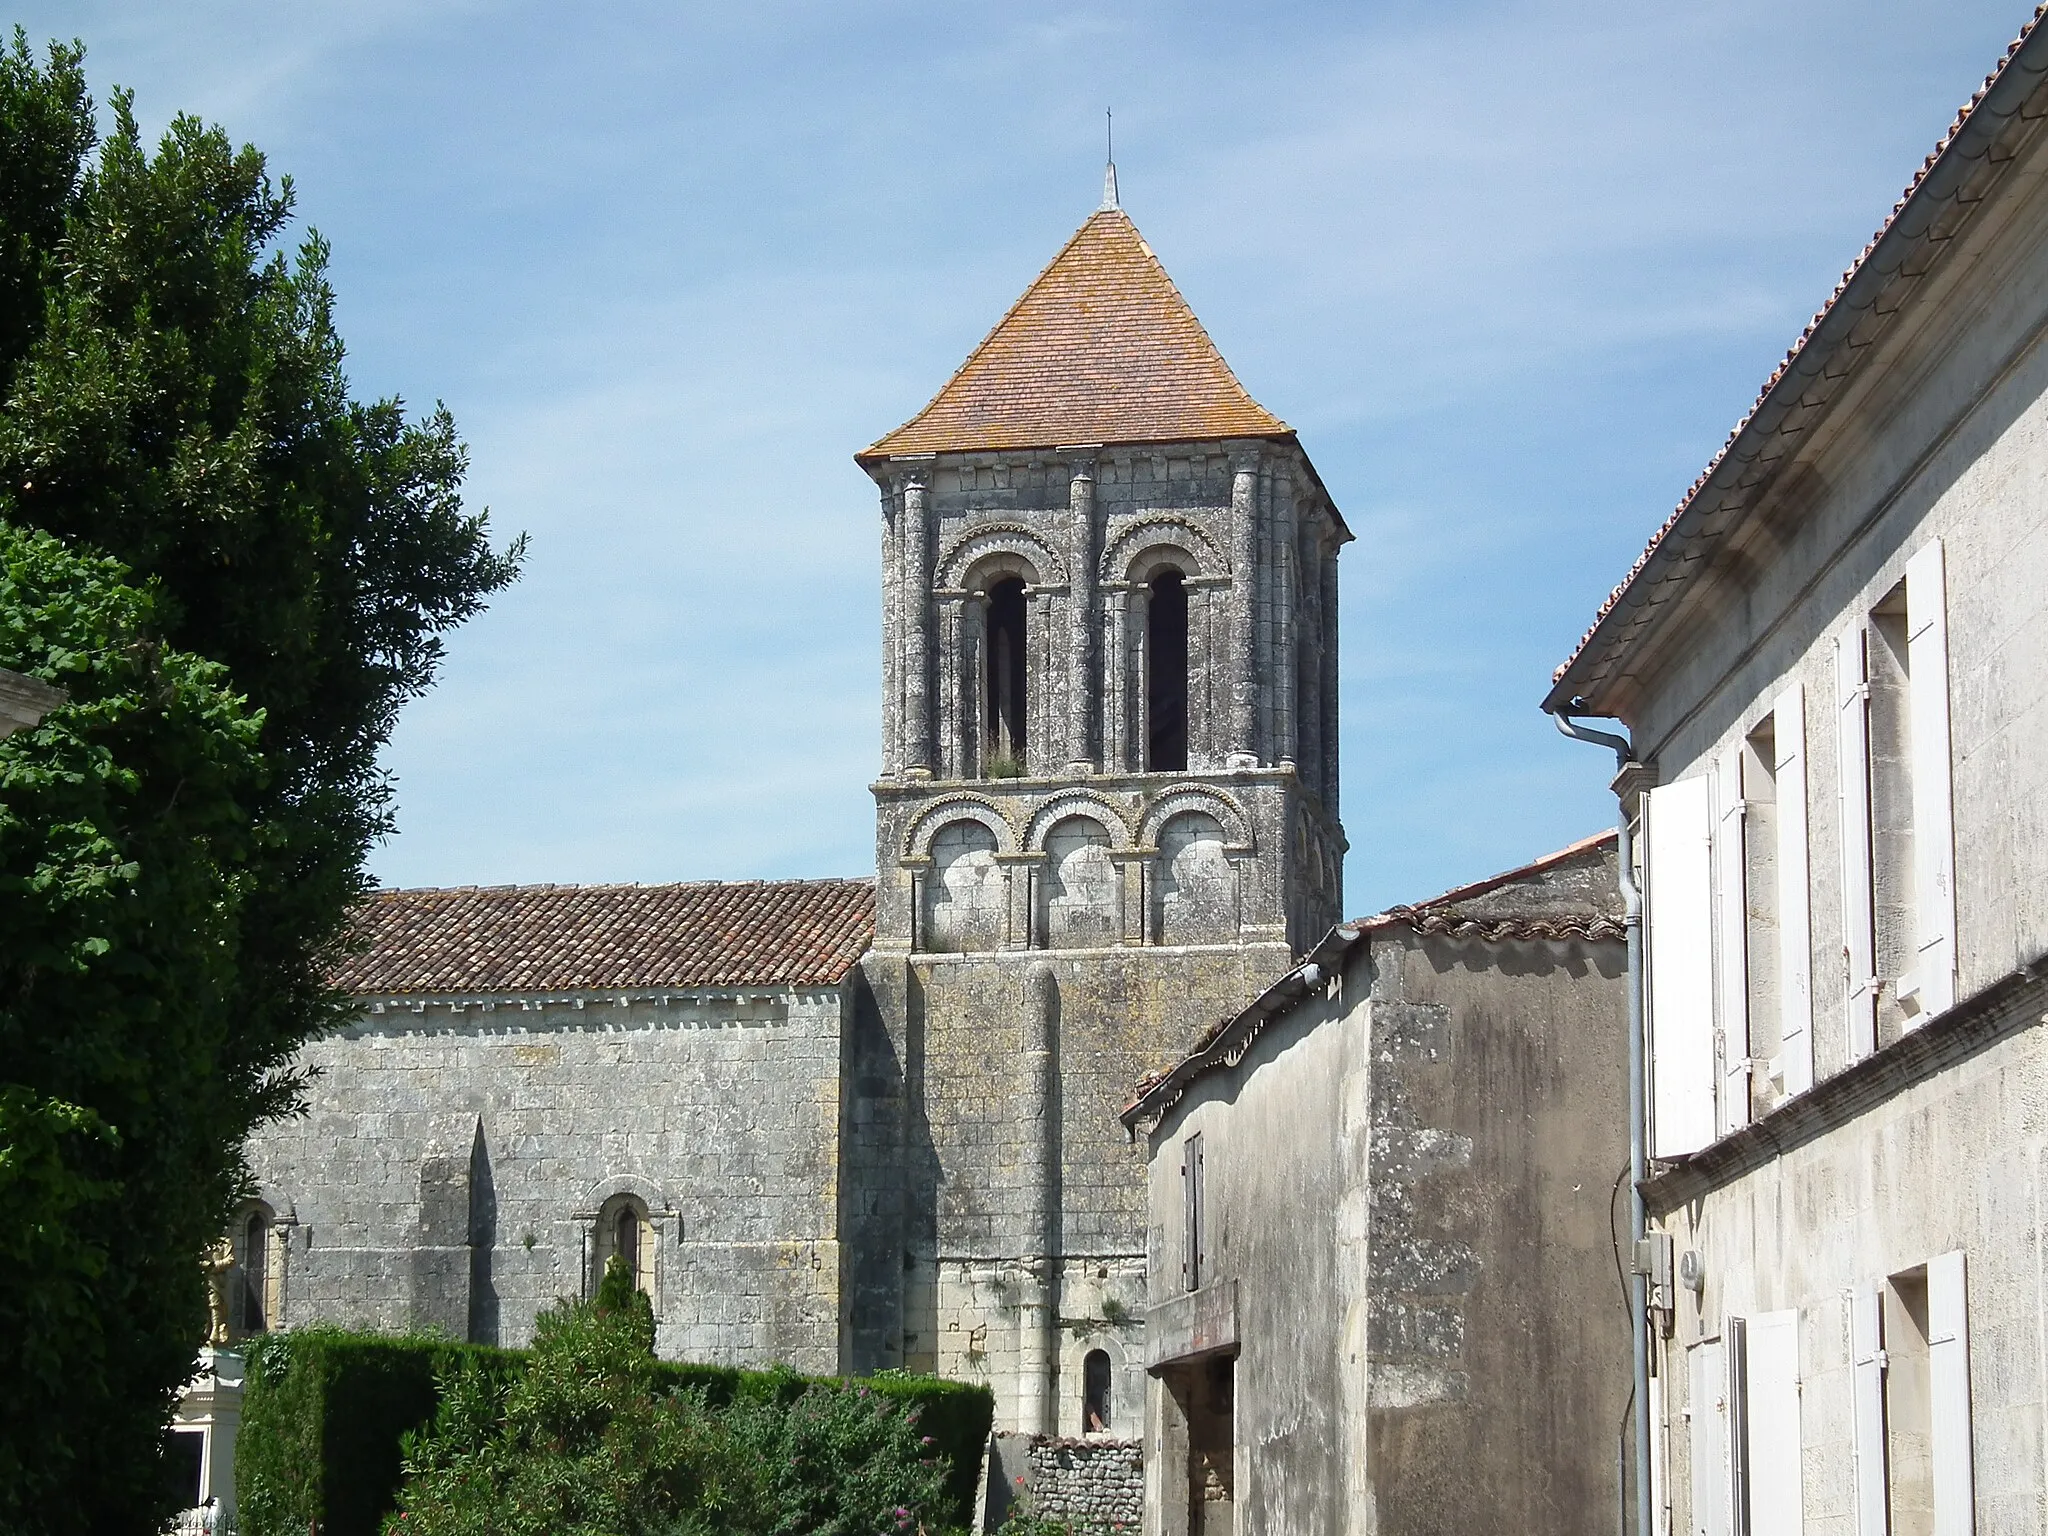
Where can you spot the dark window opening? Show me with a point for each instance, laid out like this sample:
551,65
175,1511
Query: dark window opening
1095,1391
1166,675
1004,690
627,1243
185,1464
255,1264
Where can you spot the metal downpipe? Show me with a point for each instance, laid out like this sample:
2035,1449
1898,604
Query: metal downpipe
1638,1138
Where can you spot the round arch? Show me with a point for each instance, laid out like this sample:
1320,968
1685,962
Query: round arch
1237,827
1082,804
994,550
917,844
1137,552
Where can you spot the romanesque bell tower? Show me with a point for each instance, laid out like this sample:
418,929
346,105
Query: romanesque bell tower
1106,817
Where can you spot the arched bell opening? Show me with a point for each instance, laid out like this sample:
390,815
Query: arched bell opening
1166,673
1005,658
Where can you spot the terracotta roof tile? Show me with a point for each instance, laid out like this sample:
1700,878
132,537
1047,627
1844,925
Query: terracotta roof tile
1100,349
547,938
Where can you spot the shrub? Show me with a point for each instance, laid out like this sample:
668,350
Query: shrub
582,1440
326,1412
323,1418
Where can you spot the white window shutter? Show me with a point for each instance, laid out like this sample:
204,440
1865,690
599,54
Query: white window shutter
1934,874
1731,939
1707,1444
1866,1355
1948,1371
1679,919
1771,1375
1795,931
1852,759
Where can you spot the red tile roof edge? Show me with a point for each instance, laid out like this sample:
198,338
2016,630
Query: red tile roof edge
1783,371
1226,1041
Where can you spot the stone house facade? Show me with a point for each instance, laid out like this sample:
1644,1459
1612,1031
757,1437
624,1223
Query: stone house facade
863,1124
1833,664
1383,1281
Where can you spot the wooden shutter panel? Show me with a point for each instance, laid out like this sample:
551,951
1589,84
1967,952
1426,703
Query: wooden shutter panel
1948,1372
1679,921
1866,1356
1707,1444
1795,929
1731,940
1771,1414
1934,876
1852,760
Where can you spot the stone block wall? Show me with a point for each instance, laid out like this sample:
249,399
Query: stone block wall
455,1155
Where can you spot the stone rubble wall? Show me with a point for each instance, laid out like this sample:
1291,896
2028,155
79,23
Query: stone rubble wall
1094,1485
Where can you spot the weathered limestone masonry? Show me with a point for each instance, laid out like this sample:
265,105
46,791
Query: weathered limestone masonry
653,1067
1383,1291
1107,813
1833,662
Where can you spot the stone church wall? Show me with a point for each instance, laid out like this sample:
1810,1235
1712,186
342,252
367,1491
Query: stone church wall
454,1160
1014,1067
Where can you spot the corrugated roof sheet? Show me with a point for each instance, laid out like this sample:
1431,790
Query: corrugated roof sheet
1100,349
552,938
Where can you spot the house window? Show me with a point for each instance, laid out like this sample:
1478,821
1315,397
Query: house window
1095,1392
1166,674
1006,663
1192,1213
1898,832
1909,1348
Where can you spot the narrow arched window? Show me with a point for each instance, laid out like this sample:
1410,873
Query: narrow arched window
626,1242
255,1269
1166,674
1003,687
1095,1392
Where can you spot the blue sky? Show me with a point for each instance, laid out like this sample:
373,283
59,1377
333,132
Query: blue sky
1512,270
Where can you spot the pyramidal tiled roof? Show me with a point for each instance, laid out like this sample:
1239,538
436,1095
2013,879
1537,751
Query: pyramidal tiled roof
548,938
1100,349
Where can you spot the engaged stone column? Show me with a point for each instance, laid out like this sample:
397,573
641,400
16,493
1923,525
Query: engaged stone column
917,629
1038,1309
1083,625
1244,663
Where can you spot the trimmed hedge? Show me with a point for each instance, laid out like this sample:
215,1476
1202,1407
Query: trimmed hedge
325,1411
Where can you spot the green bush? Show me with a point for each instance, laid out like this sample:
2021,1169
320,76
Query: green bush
323,1417
326,1412
583,1440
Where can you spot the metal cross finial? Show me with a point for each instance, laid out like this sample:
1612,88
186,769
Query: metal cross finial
1109,198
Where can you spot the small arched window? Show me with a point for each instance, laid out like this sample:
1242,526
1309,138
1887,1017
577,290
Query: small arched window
1095,1392
1166,674
1005,666
252,1266
624,1230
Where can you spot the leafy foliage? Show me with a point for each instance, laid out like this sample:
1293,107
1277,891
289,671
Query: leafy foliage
240,574
582,1441
595,1438
324,1413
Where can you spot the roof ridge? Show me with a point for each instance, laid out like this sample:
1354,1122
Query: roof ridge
1490,883
623,885
1100,347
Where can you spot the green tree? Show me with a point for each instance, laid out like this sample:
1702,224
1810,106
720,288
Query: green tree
240,573
583,1441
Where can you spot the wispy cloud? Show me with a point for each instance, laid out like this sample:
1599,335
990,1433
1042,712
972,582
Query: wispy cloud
1512,266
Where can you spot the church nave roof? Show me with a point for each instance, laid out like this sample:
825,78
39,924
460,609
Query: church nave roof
555,938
